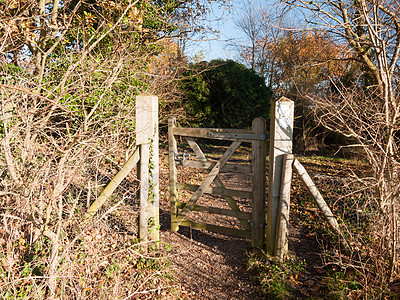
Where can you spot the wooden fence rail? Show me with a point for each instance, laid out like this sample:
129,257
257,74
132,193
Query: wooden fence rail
319,200
114,183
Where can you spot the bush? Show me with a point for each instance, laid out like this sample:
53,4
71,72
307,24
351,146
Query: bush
224,94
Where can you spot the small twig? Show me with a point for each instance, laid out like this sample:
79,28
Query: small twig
142,292
35,95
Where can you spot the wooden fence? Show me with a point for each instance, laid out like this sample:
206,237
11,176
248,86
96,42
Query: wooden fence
281,161
145,158
281,143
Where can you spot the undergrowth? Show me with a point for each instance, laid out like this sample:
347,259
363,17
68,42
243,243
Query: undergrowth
277,279
358,274
97,263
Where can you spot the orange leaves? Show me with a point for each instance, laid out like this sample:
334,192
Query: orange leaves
306,59
135,17
163,63
294,278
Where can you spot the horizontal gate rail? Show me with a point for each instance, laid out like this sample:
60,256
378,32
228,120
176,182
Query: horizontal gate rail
208,165
241,135
219,211
216,228
216,190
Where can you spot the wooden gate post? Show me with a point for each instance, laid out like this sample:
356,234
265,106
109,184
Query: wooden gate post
259,182
281,142
281,244
173,173
147,140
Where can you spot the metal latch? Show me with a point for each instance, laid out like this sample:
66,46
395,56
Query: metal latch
181,156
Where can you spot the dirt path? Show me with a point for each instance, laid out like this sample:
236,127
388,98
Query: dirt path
213,266
210,266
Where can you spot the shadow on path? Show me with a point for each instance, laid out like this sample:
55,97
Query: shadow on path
209,265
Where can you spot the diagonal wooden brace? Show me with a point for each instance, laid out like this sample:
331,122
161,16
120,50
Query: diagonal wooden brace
217,181
207,181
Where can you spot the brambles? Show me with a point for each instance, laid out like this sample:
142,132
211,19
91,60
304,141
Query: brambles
70,72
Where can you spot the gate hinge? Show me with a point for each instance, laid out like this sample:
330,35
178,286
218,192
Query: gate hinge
262,225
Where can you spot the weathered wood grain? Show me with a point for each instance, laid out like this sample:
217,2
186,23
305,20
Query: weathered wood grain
219,211
229,167
281,245
173,173
219,134
259,181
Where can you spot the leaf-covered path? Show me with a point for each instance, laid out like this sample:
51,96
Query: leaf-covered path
208,265
205,265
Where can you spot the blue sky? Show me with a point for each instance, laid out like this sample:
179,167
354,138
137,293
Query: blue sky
217,45
222,19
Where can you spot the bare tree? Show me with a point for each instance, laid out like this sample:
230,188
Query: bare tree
251,24
367,110
263,27
294,61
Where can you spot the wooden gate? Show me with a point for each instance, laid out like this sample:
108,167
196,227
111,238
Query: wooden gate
253,222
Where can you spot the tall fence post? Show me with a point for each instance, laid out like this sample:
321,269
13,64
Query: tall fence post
173,173
147,140
281,142
259,182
